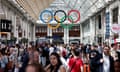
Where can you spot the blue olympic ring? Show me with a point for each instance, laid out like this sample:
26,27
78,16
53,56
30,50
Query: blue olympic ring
46,11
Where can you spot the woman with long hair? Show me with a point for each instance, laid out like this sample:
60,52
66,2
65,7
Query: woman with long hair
55,64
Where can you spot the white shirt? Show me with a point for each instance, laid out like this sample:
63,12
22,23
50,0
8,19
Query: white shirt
106,64
51,49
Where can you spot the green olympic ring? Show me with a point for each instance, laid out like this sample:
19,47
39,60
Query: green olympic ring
64,26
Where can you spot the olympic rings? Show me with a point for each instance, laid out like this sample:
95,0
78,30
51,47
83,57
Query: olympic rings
64,26
53,27
53,16
77,13
58,20
64,14
46,11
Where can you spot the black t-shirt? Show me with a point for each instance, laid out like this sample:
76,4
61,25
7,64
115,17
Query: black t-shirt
94,58
118,55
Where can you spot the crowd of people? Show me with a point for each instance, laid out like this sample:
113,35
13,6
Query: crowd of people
60,58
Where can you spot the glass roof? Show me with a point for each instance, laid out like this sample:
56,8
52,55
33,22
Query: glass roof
85,7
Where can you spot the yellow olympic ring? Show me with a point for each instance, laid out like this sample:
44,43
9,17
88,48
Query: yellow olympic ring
53,27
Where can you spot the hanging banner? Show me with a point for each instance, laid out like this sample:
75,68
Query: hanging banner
107,33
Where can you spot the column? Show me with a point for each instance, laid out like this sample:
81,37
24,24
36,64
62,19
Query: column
119,13
6,13
81,34
29,32
66,36
33,34
16,29
49,33
103,25
21,21
22,28
9,18
119,16
26,33
92,30
13,26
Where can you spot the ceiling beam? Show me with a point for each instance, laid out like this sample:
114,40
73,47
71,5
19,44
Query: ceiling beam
31,8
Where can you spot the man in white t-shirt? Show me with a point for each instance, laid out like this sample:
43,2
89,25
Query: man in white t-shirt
51,48
108,61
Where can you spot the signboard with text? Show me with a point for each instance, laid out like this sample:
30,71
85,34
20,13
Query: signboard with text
5,25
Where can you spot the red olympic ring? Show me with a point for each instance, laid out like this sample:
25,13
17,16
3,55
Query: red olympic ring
77,13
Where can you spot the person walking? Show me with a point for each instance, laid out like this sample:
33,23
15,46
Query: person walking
75,63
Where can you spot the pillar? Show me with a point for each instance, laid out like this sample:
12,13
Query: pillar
66,36
49,33
16,30
33,32
119,16
119,13
81,33
92,30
